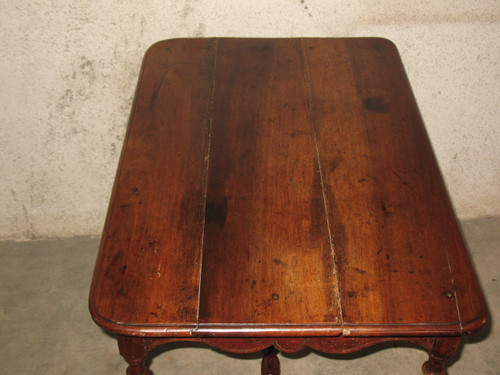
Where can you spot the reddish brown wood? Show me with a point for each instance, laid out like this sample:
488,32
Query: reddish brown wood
397,244
134,350
266,255
281,193
334,345
148,268
442,349
270,362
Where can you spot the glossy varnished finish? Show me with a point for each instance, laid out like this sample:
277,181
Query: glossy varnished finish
397,244
281,192
148,270
266,256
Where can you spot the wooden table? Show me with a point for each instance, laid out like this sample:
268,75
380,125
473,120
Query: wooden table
281,193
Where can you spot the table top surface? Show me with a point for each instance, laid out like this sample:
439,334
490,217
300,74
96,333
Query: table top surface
280,187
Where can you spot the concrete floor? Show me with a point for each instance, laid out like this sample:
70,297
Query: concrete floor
45,326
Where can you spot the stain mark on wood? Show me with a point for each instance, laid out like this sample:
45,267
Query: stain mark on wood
334,164
216,212
363,272
244,156
156,90
377,104
382,205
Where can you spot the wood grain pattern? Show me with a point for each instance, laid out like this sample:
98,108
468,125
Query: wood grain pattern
149,265
392,227
276,188
267,257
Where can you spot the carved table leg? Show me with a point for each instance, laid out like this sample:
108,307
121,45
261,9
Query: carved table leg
442,349
270,362
134,350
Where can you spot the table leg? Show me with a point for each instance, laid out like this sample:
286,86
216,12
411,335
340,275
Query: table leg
134,350
270,362
442,349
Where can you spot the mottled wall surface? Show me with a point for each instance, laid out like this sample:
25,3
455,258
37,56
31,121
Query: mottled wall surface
68,71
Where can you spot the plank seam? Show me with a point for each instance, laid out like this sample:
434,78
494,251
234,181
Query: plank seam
313,123
207,158
453,285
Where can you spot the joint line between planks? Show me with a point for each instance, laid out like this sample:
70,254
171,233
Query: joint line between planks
207,157
313,123
453,286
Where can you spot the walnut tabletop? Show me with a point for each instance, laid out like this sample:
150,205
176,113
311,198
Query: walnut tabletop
277,189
